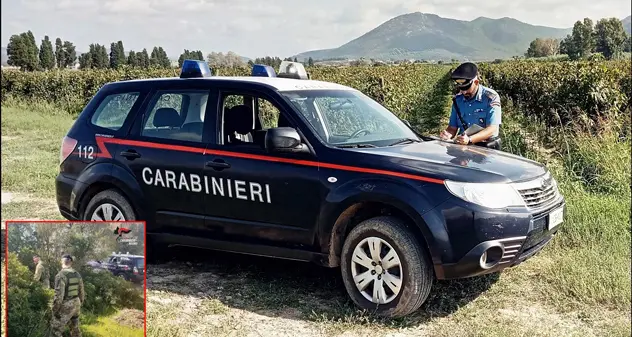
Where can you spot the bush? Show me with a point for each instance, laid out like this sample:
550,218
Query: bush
105,293
28,302
586,95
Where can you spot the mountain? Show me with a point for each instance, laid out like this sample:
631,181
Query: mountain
627,24
5,58
429,36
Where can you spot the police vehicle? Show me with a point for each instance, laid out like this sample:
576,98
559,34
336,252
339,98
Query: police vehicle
278,165
126,266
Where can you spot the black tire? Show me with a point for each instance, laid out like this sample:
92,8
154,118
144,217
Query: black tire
417,273
113,197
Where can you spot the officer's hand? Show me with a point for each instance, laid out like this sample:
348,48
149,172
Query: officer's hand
463,139
445,135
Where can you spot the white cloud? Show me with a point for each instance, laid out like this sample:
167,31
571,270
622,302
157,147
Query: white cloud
278,27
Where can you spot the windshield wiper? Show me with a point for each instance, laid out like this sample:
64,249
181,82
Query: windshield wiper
355,145
406,140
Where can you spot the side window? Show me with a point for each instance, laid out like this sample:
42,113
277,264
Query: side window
176,115
246,119
268,114
113,110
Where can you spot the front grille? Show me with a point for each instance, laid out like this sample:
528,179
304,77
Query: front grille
538,193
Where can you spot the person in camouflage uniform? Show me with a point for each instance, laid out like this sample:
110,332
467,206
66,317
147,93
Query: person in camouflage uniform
69,296
42,274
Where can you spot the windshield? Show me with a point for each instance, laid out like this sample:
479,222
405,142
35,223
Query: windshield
348,117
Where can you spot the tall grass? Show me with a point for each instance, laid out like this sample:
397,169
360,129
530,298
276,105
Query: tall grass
591,256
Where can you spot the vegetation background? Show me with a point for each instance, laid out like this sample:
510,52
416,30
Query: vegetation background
107,296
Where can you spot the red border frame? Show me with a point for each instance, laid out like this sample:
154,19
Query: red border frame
6,266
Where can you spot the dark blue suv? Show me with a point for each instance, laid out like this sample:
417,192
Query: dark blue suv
282,166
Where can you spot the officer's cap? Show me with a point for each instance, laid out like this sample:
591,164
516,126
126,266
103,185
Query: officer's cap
467,70
67,256
464,74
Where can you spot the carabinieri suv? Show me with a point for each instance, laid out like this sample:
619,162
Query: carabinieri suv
283,166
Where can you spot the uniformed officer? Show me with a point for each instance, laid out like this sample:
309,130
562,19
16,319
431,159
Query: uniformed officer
474,104
42,273
69,296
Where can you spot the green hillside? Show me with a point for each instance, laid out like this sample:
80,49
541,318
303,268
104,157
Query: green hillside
429,36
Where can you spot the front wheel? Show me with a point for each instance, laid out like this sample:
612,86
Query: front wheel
384,268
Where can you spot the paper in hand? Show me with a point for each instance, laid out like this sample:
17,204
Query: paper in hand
472,130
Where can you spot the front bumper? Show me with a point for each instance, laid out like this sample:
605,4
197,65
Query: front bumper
504,252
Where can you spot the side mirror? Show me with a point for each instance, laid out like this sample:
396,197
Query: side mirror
284,139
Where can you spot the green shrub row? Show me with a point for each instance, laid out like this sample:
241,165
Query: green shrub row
583,94
406,90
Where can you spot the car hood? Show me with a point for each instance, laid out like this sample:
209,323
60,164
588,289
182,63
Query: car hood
460,162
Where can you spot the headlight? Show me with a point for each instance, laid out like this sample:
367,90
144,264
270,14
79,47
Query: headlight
487,195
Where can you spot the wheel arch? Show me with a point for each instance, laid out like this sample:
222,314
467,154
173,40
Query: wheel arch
357,211
99,180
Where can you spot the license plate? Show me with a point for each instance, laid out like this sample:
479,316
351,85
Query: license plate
556,217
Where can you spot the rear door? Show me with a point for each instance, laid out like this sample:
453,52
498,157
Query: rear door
165,152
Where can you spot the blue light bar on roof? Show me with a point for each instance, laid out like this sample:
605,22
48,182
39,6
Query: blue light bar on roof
263,71
195,68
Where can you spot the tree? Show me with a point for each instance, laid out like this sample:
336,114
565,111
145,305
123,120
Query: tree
543,48
120,53
85,61
70,54
96,58
190,55
628,44
163,59
310,62
610,37
143,58
46,56
132,60
274,62
113,56
22,51
60,56
117,55
155,57
581,42
231,59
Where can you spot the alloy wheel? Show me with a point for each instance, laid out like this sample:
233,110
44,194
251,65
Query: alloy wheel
376,270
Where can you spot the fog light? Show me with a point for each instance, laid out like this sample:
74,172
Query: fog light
491,257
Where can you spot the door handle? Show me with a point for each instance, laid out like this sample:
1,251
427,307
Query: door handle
130,154
217,164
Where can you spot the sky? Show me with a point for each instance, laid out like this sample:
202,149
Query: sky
259,28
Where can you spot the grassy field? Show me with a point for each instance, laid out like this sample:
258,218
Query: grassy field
578,286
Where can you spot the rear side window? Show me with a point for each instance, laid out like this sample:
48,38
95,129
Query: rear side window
176,115
113,110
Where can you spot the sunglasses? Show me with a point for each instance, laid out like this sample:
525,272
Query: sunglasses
463,84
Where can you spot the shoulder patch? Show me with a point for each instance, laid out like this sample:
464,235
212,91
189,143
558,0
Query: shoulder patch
492,95
494,98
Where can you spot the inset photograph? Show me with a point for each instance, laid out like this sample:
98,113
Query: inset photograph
74,278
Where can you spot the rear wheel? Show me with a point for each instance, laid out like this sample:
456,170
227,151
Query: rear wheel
384,268
109,205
